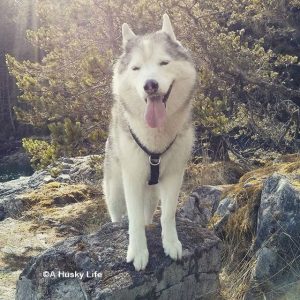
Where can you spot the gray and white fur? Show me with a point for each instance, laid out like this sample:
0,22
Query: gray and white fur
157,57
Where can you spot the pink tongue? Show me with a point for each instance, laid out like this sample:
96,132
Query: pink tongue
155,112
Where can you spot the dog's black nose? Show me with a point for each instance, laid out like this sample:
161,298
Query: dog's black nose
151,86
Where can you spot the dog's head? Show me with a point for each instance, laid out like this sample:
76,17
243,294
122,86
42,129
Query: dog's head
154,76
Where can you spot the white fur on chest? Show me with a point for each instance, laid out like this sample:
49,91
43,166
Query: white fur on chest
174,158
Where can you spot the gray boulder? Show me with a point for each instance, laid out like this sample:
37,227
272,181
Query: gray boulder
202,204
226,206
10,202
84,169
279,212
14,165
277,239
100,259
275,247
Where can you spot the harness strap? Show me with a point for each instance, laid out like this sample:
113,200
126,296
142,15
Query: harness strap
154,158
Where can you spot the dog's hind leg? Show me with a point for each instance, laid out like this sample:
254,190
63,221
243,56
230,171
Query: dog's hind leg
113,190
115,199
150,203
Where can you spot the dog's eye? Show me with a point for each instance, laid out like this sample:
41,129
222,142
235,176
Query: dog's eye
135,68
164,63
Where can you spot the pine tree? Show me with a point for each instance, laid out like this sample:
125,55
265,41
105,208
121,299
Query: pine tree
247,91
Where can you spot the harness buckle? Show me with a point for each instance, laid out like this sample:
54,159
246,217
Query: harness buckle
154,161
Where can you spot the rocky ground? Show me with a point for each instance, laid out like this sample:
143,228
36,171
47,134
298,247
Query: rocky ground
38,211
257,217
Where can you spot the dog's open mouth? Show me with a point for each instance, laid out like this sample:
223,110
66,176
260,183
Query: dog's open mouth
155,112
158,97
166,96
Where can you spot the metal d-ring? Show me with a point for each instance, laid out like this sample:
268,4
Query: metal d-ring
154,164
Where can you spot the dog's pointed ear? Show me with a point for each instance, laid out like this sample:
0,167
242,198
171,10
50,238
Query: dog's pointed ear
167,27
127,34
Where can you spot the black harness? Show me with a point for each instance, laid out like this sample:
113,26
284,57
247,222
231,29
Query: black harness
154,159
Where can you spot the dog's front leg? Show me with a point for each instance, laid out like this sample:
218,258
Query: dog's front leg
137,248
169,189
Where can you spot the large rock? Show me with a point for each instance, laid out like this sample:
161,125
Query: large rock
202,204
279,212
277,239
14,164
10,203
103,253
18,157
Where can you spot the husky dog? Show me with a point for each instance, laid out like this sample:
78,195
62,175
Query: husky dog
150,137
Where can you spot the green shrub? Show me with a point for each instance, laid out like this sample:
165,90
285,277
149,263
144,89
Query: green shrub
66,137
41,152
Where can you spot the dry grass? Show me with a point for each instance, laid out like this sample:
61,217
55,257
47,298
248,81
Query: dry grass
241,222
204,173
216,173
7,284
247,195
285,168
76,205
56,194
235,283
240,228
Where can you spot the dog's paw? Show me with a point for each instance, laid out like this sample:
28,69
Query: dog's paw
139,257
173,249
